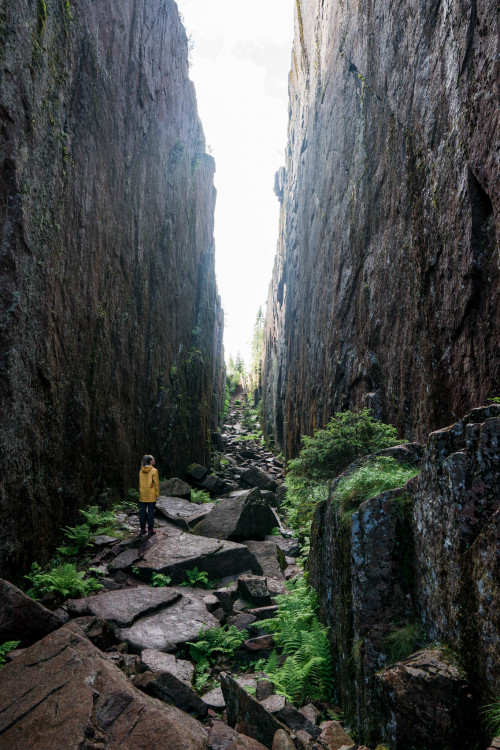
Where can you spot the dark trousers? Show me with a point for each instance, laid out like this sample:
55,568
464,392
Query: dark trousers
147,510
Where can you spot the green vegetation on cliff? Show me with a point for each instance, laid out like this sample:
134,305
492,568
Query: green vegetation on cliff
345,438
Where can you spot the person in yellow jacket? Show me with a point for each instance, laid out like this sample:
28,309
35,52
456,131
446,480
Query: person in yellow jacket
149,492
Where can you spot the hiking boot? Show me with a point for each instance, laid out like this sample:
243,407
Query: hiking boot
142,532
151,532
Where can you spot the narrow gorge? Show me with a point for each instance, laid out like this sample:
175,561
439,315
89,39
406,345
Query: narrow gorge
324,572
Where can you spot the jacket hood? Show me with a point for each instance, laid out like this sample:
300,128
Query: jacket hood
147,468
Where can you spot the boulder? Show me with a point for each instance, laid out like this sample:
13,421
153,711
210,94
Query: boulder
212,484
167,687
170,627
215,699
290,547
425,701
274,703
247,516
196,472
181,512
63,693
254,589
269,556
175,487
261,643
22,618
263,613
296,720
122,608
243,711
254,477
282,741
173,555
158,661
310,712
241,621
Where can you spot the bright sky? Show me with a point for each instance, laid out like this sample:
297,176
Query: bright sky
240,64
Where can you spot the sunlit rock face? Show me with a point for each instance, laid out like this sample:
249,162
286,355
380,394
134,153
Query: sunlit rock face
111,327
385,290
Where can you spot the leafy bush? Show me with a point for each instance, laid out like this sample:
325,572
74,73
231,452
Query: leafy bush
132,495
380,475
158,579
306,673
63,580
347,436
6,647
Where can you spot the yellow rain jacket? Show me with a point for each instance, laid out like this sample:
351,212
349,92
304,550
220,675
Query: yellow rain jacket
149,484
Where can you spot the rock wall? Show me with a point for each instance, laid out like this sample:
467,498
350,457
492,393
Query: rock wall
385,289
110,322
424,557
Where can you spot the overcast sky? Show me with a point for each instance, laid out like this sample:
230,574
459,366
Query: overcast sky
240,64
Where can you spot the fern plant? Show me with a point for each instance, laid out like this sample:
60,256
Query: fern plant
200,496
6,647
197,577
210,646
158,579
63,580
306,673
101,522
79,538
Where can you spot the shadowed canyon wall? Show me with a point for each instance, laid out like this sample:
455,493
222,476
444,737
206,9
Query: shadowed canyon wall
386,285
110,322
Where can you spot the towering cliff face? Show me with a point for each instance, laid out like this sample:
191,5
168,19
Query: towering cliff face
110,323
385,289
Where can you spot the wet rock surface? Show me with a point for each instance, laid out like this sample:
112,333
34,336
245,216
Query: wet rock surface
97,182
385,289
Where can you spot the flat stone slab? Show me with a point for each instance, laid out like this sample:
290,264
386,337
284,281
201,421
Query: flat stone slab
159,661
181,512
62,692
169,628
174,555
125,559
101,540
122,608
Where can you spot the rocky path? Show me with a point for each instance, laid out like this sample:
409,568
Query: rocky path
114,669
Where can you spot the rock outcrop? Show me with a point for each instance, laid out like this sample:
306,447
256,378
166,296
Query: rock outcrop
110,322
385,290
415,566
63,692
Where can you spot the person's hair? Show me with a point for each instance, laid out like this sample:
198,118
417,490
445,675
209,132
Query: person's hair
146,460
